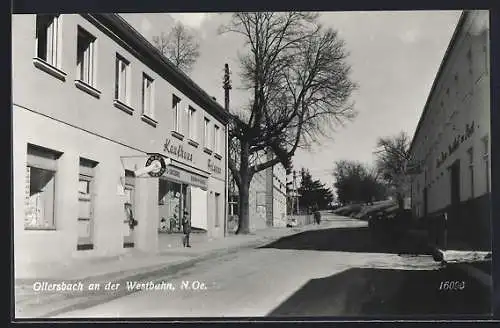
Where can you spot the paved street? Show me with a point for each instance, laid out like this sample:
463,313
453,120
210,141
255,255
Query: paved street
337,271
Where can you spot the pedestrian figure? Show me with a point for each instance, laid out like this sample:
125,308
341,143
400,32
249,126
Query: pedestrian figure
186,229
317,215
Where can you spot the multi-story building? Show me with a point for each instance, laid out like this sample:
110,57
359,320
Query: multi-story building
267,197
92,100
452,141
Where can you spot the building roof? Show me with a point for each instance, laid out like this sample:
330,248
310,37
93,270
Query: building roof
153,57
446,56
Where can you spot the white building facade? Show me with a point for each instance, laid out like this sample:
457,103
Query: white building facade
452,140
92,101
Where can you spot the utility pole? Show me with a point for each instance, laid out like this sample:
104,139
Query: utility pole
295,197
226,85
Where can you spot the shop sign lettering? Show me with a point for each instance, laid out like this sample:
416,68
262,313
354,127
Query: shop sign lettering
212,167
469,131
177,150
198,181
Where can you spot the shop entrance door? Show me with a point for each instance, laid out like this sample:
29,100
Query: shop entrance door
426,200
129,222
455,187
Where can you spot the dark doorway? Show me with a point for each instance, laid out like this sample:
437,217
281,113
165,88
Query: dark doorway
426,202
455,186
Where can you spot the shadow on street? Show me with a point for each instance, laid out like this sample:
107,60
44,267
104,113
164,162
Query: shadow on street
359,240
379,292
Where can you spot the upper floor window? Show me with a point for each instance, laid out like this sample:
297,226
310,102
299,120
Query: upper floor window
85,57
191,123
216,139
206,132
176,102
47,37
147,96
122,79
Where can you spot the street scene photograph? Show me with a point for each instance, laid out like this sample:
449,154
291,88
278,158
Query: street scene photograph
252,165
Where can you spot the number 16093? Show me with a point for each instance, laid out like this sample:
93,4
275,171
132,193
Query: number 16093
452,285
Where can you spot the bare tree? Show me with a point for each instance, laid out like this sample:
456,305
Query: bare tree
392,157
298,78
179,46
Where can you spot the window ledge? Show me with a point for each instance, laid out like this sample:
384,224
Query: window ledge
88,88
151,121
124,107
193,143
48,68
206,150
178,135
40,228
218,156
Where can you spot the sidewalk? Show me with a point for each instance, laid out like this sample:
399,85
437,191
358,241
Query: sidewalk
475,264
135,266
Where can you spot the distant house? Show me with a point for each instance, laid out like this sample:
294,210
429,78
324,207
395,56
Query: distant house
267,197
452,141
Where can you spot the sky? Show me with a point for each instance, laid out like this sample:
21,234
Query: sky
394,57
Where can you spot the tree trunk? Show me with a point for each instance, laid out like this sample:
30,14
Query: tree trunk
244,190
244,217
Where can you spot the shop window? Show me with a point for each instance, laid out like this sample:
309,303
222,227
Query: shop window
86,185
85,58
47,37
217,210
122,79
41,171
172,202
176,101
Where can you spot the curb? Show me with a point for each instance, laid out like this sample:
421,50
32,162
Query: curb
155,273
482,277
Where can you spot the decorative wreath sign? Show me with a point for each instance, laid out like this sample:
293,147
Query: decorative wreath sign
156,158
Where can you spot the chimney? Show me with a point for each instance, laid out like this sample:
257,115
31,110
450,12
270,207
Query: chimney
214,99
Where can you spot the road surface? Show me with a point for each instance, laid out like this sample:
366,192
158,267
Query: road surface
340,270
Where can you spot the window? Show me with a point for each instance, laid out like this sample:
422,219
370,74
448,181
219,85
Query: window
206,132
41,171
47,37
486,151
216,139
217,210
86,204
470,154
129,207
122,80
85,57
191,123
233,205
176,101
147,96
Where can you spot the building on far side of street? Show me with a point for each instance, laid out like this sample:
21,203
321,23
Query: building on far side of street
451,145
267,197
92,101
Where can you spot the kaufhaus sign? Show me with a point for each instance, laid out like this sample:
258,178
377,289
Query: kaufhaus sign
177,150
